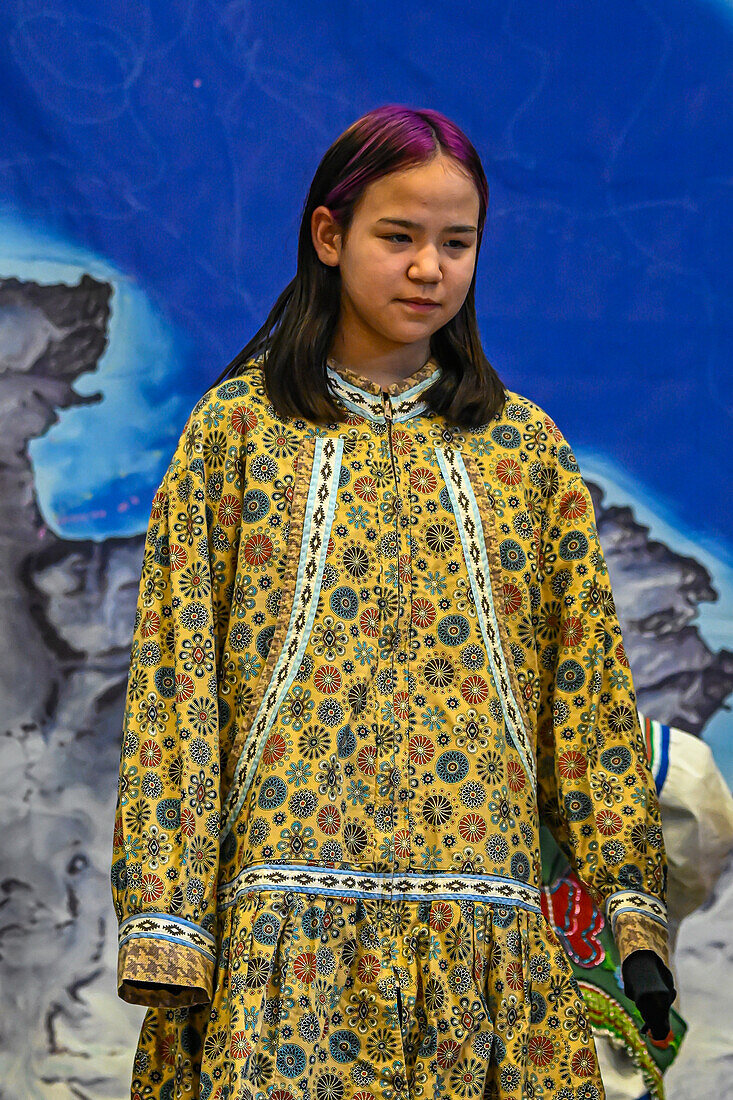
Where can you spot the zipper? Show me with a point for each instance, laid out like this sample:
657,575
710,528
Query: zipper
386,405
387,413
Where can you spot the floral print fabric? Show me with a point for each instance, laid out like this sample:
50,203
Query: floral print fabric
368,659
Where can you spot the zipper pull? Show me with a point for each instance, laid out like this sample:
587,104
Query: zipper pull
386,406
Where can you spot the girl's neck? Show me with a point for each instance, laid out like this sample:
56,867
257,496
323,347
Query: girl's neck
386,368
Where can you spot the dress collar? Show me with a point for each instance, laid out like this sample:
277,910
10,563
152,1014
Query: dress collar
364,395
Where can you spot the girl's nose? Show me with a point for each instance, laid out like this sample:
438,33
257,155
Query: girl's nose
426,268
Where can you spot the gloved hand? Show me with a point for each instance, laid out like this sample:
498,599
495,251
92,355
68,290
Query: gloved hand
649,983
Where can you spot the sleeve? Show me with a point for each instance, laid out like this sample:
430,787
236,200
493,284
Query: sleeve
596,792
166,852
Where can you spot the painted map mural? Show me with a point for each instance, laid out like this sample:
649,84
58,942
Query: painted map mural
153,165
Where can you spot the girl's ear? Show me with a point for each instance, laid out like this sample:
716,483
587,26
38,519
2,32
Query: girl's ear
327,236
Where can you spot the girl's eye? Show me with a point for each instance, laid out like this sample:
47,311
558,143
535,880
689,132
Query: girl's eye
404,237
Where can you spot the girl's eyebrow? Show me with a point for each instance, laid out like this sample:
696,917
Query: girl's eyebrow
416,225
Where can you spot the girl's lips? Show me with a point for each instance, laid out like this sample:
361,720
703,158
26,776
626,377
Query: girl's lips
421,307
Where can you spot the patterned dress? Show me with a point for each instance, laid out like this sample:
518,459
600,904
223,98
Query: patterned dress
368,660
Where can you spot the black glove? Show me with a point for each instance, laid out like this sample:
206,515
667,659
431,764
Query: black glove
649,983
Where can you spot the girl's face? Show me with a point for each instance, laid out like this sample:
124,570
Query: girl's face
413,236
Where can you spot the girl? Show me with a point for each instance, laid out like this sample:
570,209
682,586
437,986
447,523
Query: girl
375,647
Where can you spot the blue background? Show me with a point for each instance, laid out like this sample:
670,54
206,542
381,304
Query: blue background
176,143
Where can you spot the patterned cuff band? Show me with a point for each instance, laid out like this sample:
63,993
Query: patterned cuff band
164,961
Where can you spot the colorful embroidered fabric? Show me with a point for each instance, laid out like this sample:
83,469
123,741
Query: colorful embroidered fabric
368,658
592,952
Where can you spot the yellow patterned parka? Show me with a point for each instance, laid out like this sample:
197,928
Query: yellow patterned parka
368,660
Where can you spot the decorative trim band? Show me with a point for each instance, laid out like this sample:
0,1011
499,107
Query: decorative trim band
657,746
634,901
609,1017
163,926
398,886
468,516
308,545
369,405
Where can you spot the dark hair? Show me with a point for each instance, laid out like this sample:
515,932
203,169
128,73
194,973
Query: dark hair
297,336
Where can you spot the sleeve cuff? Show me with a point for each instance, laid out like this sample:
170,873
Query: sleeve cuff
638,923
164,961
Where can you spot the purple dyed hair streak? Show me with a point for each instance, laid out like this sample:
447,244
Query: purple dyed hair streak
395,137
